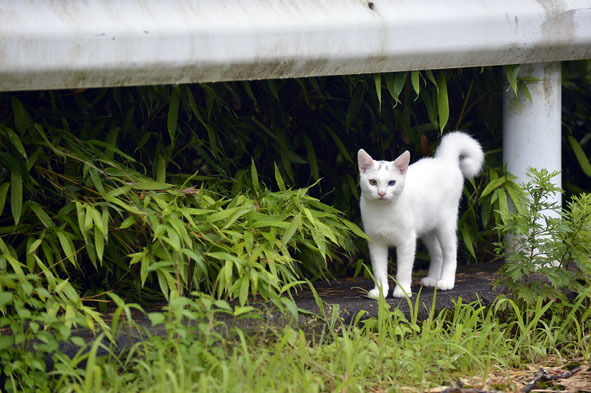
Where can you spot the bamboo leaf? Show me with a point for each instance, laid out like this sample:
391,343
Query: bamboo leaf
236,216
149,185
326,231
355,229
144,266
414,80
249,92
105,220
312,161
111,148
273,89
96,180
99,244
67,246
210,99
163,280
41,214
377,79
395,84
512,71
320,242
279,179
128,222
115,192
160,169
15,141
269,223
492,185
111,142
88,220
3,192
16,195
522,88
266,130
503,204
254,177
243,295
340,145
20,115
516,195
81,217
96,219
173,112
224,214
468,241
172,239
442,101
34,246
291,230
579,154
47,142
431,77
187,92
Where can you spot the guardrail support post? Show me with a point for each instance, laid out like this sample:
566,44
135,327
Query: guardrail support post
532,129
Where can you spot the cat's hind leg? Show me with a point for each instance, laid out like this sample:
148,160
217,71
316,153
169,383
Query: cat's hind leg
449,247
379,263
431,241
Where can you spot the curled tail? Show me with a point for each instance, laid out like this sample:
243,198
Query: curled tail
462,149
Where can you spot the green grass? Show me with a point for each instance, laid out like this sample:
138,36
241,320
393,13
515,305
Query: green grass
389,353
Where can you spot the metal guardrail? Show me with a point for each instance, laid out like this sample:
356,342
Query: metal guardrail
96,43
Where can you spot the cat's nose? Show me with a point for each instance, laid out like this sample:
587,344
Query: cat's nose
381,194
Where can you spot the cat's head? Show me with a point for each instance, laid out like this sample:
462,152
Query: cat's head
382,180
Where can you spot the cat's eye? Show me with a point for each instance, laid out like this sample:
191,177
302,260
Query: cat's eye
391,183
372,182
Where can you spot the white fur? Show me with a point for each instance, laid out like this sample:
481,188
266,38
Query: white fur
423,202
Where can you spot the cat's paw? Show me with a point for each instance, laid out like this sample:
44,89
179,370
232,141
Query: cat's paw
429,282
375,293
398,292
445,285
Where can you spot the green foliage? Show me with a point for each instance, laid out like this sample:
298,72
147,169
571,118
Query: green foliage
179,237
37,313
487,205
547,250
518,84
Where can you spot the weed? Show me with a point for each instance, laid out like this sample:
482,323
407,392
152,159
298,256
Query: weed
547,250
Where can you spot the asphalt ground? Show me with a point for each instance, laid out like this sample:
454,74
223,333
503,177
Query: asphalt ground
473,283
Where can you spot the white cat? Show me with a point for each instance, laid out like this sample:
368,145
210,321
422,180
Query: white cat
400,203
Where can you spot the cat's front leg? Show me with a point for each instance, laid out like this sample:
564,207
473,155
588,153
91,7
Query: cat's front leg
405,257
379,262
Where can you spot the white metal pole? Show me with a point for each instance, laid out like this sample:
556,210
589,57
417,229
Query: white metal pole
531,129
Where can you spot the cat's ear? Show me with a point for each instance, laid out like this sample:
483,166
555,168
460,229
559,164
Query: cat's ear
364,160
401,163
